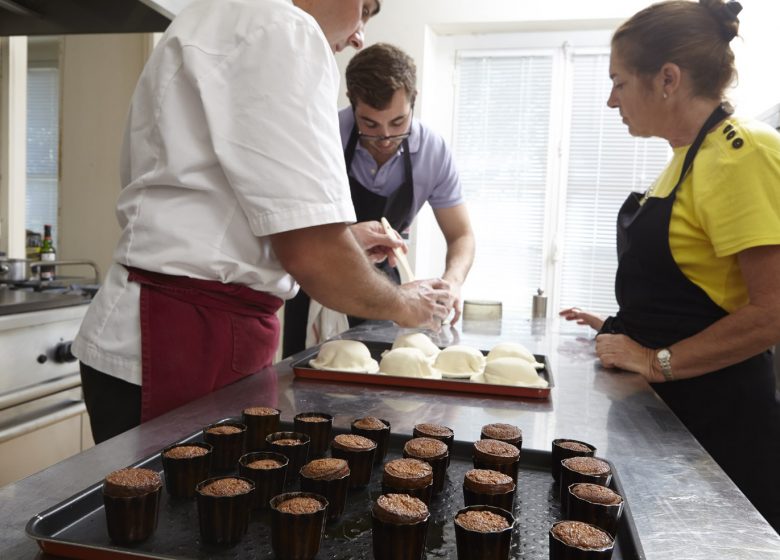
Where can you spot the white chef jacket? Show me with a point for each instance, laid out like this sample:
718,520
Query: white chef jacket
232,135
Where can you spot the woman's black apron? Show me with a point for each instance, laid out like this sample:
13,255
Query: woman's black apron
733,412
399,210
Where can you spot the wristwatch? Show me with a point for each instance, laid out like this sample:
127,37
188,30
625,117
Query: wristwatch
664,356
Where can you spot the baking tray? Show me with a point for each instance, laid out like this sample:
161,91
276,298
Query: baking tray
302,369
76,527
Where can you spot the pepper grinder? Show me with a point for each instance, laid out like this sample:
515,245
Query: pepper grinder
539,306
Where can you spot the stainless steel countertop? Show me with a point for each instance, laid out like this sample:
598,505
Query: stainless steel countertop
683,505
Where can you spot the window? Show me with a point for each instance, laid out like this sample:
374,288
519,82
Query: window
545,166
43,102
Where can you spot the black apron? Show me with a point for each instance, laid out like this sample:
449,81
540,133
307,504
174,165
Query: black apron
733,412
398,208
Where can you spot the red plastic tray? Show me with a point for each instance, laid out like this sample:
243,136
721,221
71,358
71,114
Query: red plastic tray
301,369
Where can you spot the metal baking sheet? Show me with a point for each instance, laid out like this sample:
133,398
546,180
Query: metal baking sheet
302,369
76,528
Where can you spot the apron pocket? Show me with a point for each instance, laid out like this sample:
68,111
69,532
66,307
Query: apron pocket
252,351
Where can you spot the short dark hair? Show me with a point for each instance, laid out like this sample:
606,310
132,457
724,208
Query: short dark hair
377,72
693,35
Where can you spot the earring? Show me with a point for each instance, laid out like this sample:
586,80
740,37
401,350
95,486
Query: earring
666,96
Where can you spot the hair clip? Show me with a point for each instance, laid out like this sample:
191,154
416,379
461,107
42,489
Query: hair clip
732,9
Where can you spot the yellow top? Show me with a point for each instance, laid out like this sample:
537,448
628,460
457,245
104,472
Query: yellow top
729,202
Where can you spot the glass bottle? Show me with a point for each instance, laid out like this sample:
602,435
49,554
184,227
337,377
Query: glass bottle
48,253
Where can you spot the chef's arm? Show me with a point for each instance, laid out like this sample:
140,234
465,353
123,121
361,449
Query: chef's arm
331,267
456,227
746,332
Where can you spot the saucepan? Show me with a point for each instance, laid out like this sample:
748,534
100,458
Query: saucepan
13,270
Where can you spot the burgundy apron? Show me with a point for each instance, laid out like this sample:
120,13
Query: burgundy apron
732,412
198,336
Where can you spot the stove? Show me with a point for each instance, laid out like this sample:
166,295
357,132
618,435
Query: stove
40,385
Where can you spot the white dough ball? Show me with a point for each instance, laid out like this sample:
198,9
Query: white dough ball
407,362
510,350
458,360
345,355
419,341
512,371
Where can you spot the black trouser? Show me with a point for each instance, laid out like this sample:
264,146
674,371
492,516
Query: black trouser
114,405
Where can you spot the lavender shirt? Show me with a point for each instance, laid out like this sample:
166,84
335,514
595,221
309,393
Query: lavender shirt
435,177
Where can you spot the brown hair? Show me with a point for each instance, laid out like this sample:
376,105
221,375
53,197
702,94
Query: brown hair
693,35
377,72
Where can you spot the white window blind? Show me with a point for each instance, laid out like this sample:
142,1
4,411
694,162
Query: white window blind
508,125
42,148
604,165
501,136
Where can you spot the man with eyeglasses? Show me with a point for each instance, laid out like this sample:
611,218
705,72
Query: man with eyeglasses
395,165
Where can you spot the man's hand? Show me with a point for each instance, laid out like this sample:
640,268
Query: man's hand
429,303
377,243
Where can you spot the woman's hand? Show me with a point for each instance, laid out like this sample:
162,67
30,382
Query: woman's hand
582,317
621,352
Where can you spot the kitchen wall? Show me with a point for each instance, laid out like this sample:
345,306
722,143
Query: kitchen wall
98,77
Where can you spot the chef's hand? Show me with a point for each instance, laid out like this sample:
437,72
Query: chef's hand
377,243
457,302
429,303
621,352
582,317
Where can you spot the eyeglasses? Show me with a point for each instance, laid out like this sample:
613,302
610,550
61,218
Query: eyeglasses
375,139
395,138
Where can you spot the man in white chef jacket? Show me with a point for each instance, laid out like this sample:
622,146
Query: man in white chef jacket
234,191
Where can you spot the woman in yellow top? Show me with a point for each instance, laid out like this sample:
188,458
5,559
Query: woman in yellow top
698,280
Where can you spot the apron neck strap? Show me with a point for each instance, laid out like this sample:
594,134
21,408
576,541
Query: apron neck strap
715,117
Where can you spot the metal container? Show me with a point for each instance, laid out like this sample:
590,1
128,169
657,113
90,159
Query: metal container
539,305
13,270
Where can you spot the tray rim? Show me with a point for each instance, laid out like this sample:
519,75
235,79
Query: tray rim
536,459
453,385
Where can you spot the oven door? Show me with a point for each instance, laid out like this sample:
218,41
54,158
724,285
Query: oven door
42,413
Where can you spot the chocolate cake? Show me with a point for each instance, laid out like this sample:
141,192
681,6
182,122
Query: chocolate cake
482,521
595,493
493,450
264,464
127,483
268,470
359,452
325,469
486,481
434,430
260,411
224,504
587,465
581,535
185,452
288,441
228,486
221,430
425,448
503,432
407,473
399,509
300,505
399,526
352,442
369,423
575,446
132,500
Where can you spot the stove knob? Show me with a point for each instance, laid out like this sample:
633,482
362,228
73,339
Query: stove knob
42,358
62,353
